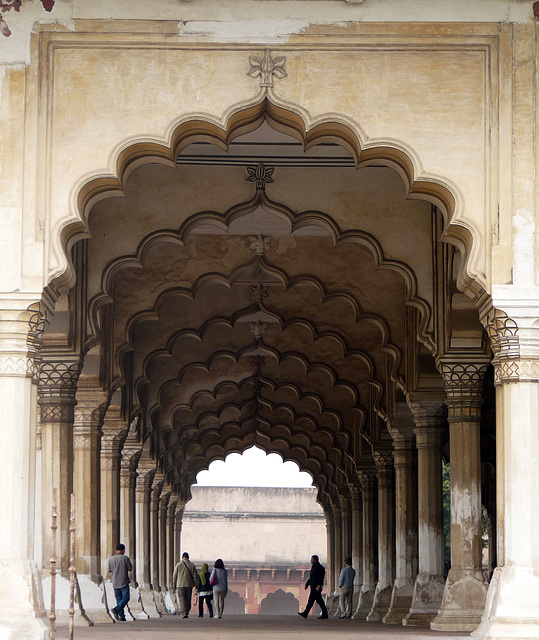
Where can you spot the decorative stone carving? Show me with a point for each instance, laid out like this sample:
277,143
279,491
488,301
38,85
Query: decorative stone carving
262,176
258,329
258,292
265,67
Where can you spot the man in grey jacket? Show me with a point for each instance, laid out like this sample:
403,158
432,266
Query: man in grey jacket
185,577
346,584
120,566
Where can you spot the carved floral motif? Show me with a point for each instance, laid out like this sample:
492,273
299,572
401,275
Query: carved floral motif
265,67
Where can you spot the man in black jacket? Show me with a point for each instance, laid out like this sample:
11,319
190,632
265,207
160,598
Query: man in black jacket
316,582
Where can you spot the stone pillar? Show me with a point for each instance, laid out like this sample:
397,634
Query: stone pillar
367,478
511,610
330,528
56,393
157,487
406,560
171,527
429,583
386,535
357,542
163,547
465,588
114,431
143,491
22,613
178,531
130,455
92,403
333,569
346,519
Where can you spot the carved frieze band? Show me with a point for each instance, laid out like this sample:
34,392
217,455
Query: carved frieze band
59,375
57,412
16,366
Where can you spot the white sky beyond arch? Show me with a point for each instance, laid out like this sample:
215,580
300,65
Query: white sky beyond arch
253,468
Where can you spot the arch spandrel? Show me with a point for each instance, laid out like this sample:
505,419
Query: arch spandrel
317,119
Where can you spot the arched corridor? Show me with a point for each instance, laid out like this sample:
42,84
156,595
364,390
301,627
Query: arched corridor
244,226
271,296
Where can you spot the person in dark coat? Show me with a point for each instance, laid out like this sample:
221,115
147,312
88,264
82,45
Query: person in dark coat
316,583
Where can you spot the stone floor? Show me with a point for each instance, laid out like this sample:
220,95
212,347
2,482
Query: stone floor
249,627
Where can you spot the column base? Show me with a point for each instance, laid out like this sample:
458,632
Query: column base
381,602
401,601
159,604
364,606
426,600
61,605
463,602
148,602
92,598
511,612
136,608
22,614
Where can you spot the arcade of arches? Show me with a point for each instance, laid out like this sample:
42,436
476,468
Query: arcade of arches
316,247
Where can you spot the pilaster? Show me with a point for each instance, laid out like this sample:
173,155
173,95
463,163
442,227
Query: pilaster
429,417
465,589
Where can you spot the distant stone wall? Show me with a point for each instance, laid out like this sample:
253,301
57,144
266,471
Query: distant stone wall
249,526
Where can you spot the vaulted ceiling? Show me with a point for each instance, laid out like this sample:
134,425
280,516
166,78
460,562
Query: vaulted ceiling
264,294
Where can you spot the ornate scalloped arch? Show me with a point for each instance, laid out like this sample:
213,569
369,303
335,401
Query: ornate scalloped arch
241,119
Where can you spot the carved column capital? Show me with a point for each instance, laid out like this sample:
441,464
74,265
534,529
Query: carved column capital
515,340
143,486
428,412
367,477
463,382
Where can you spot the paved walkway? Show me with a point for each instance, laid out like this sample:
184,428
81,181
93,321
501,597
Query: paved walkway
254,627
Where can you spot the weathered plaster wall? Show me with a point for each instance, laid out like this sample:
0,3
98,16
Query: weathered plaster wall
262,526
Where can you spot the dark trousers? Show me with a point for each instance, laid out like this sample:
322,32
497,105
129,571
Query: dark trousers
316,596
122,598
208,599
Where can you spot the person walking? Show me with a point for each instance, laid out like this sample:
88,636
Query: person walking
205,592
184,578
346,584
119,566
219,582
316,583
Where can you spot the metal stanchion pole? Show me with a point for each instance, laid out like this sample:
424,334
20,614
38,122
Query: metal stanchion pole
54,527
72,567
